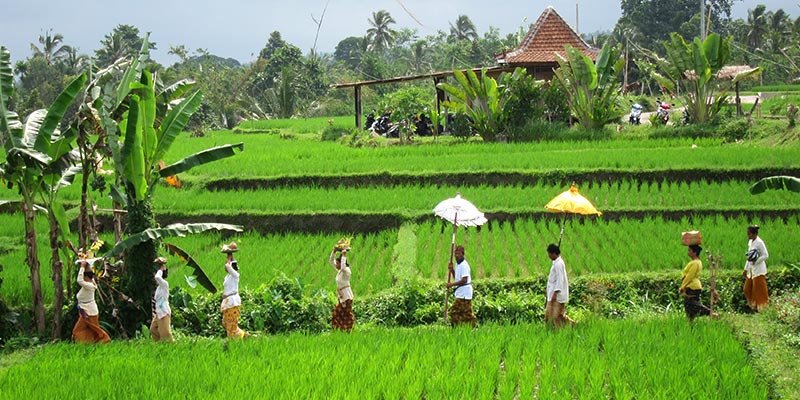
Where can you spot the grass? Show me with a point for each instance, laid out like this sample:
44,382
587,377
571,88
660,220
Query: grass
597,359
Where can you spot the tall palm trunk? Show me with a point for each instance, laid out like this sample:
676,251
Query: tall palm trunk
32,259
58,280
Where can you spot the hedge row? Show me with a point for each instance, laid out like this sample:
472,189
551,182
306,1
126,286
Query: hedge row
500,178
280,306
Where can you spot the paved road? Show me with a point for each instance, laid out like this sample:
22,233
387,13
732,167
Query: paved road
677,111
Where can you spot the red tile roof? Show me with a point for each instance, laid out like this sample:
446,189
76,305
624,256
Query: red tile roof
547,36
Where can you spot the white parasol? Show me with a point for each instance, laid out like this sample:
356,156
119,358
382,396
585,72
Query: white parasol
458,212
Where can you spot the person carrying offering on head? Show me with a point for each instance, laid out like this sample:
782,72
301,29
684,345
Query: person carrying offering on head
342,318
160,326
87,329
231,301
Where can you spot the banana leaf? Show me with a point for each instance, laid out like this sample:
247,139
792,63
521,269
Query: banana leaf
197,270
173,124
781,182
200,158
133,154
174,230
56,113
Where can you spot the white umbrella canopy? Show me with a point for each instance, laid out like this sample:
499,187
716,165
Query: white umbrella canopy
458,212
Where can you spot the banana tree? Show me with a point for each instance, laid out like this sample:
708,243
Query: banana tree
482,100
143,139
592,87
692,69
32,151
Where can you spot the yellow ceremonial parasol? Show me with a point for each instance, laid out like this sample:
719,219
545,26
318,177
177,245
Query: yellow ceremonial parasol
571,202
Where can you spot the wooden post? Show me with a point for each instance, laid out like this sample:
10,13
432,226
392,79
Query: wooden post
357,94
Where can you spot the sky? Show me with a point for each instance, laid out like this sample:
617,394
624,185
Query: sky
239,29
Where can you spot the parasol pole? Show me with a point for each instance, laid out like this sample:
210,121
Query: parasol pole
563,223
449,275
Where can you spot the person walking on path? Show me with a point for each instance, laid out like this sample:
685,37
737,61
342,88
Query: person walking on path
160,327
342,318
461,311
87,329
755,271
691,287
557,291
231,301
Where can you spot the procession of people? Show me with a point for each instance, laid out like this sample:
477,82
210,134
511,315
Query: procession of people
557,294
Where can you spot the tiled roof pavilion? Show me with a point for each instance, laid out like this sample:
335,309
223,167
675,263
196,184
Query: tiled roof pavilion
537,52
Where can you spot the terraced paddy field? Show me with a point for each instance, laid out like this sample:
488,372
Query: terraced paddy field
295,197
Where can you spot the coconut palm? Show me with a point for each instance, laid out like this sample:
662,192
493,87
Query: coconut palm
419,56
52,49
463,29
380,35
757,25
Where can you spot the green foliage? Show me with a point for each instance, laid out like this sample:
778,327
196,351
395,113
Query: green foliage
525,105
694,66
778,105
483,101
460,127
407,102
334,133
591,87
556,104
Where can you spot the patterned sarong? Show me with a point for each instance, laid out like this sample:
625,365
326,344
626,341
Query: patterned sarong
756,292
461,313
343,318
692,304
230,320
88,330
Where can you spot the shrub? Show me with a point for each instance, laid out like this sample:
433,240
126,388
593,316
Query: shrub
333,133
460,126
555,102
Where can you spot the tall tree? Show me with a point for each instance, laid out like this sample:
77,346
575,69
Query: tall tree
123,41
757,25
380,34
463,29
274,43
52,49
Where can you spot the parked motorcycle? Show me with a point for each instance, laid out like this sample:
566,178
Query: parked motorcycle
369,121
636,114
383,126
662,111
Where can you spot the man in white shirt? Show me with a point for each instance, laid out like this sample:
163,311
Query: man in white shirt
755,271
557,290
461,312
160,327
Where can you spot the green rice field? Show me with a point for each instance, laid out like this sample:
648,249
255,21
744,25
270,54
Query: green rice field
657,358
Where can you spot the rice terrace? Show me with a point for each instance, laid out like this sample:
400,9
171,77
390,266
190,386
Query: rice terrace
390,220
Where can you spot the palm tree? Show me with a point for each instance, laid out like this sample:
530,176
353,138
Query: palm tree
52,50
463,29
380,35
757,26
419,55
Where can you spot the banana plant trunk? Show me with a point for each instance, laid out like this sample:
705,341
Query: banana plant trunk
138,267
32,259
58,279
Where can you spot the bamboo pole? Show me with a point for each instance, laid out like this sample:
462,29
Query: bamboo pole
449,273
